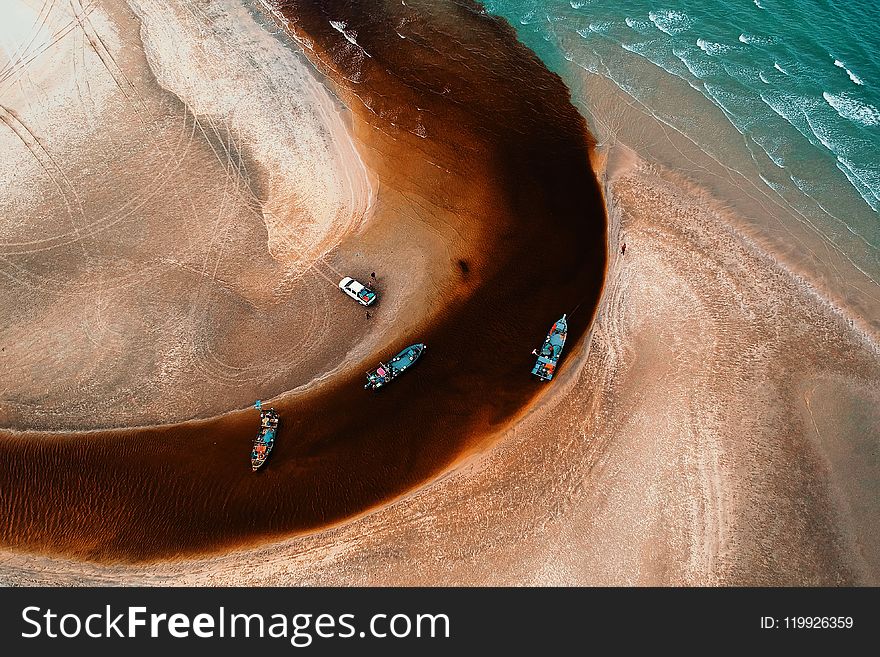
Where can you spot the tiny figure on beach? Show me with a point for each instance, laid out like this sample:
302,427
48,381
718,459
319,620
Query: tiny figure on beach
368,314
623,249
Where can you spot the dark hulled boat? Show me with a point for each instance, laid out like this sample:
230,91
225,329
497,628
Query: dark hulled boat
385,373
265,440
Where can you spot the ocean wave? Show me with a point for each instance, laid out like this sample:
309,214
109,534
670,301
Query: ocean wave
698,66
752,39
852,76
712,48
772,185
726,101
805,186
780,69
759,5
869,190
828,137
350,35
852,109
670,21
601,27
640,26
763,78
790,109
771,145
659,57
577,4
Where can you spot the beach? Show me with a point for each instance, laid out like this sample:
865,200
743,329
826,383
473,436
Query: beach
714,422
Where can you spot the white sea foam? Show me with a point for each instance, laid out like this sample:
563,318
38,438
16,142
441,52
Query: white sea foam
852,76
868,189
789,109
752,39
698,66
600,27
852,109
821,132
772,185
577,5
350,35
711,48
771,144
528,18
670,21
725,101
758,4
779,68
763,78
640,26
658,57
855,78
804,185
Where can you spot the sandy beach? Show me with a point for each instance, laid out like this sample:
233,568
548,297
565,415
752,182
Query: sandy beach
716,424
655,469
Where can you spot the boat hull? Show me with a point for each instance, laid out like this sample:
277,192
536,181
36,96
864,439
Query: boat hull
385,373
550,352
265,440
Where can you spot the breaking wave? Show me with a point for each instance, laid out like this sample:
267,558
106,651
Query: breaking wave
852,109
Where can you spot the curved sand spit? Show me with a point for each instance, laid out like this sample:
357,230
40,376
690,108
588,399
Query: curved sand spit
477,255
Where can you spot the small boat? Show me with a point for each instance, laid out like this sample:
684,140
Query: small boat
358,291
396,366
265,440
550,351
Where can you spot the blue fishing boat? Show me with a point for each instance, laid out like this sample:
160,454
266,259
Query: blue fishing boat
551,350
265,440
384,373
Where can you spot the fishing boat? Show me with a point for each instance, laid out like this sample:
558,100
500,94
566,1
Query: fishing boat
548,354
265,440
386,372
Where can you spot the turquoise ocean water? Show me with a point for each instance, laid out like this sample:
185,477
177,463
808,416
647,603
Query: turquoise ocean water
785,91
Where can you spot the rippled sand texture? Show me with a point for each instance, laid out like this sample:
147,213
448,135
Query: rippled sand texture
477,249
159,217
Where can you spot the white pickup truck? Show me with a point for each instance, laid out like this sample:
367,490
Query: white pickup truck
357,291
